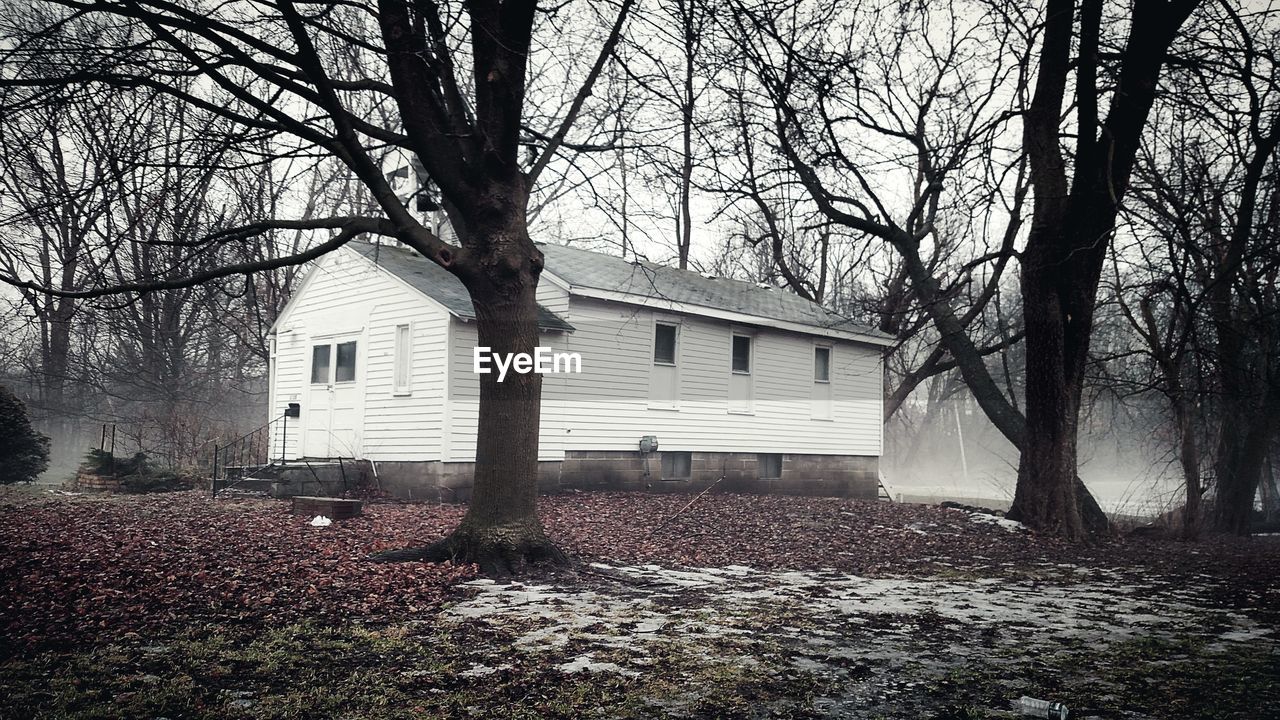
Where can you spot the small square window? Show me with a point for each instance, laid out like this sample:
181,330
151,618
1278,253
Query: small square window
742,354
320,364
822,364
664,344
769,466
677,465
346,365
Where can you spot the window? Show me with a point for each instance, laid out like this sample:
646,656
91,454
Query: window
345,370
677,465
742,354
664,374
769,466
320,364
820,397
403,359
664,344
741,393
822,364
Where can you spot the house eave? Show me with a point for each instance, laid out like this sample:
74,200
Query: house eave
728,315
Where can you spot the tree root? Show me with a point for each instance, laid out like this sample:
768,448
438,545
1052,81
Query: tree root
499,551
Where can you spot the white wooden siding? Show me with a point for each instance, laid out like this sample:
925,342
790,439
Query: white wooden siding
553,297
343,294
464,399
607,408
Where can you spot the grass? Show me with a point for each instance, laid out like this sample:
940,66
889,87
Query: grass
305,670
1173,676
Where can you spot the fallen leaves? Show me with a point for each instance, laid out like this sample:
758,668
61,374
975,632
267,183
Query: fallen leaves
93,568
90,568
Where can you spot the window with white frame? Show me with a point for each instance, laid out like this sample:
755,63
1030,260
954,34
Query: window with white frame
742,354
320,364
333,363
402,372
664,343
741,348
344,369
664,373
822,364
821,395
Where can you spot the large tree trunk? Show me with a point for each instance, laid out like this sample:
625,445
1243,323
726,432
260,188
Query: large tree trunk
1011,423
1045,498
1071,228
501,531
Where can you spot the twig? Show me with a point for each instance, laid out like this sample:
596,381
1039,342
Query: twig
686,507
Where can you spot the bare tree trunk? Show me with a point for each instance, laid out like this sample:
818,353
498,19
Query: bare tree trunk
1189,459
501,531
1072,223
1242,453
1045,497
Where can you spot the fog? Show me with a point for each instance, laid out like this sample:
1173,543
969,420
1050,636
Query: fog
1128,472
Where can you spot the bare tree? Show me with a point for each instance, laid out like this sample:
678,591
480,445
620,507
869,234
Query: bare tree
1206,295
671,59
101,203
895,120
322,78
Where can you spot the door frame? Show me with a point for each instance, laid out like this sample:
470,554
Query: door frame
333,339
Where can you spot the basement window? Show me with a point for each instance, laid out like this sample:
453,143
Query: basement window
769,466
677,465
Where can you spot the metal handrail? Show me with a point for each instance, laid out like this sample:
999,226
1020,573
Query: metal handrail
222,455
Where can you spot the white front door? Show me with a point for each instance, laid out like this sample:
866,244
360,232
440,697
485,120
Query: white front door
332,412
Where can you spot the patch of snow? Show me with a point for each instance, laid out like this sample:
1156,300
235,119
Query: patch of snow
321,521
989,519
1245,634
585,663
479,670
832,620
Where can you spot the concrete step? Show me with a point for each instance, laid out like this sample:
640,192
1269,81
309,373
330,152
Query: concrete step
323,478
254,484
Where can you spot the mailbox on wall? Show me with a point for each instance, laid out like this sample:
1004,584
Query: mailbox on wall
293,410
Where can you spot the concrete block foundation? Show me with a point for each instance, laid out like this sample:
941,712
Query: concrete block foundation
848,476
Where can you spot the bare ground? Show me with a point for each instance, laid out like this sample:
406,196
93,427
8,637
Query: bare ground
181,606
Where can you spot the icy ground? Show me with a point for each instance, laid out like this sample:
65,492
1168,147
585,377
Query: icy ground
864,647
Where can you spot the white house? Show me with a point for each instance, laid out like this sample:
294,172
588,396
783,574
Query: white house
736,381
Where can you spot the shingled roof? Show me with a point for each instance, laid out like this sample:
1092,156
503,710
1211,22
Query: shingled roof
584,269
437,283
